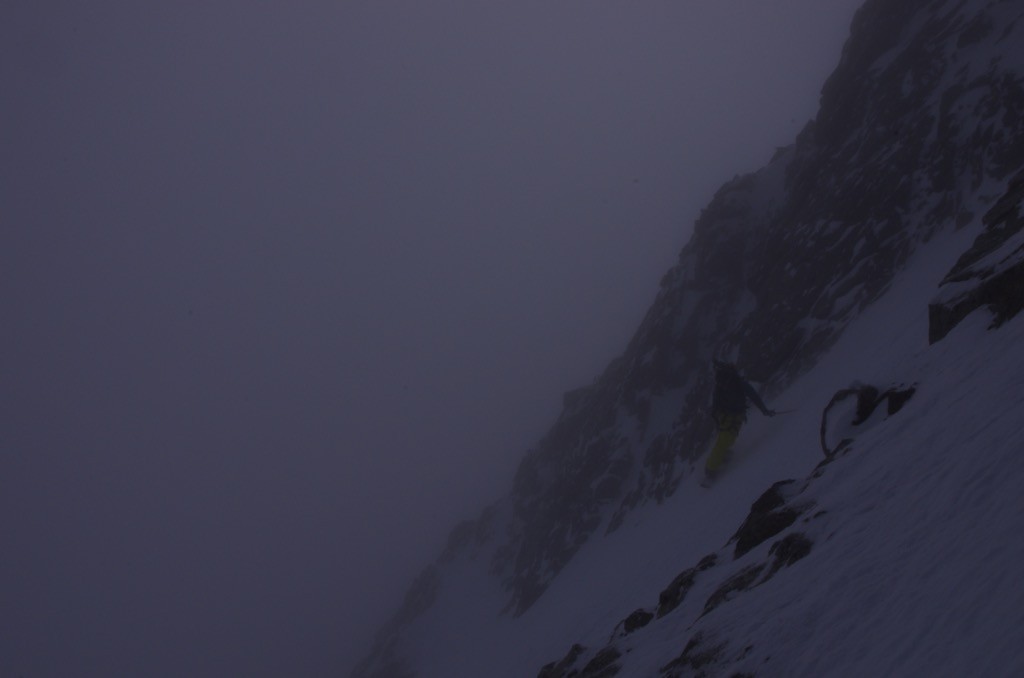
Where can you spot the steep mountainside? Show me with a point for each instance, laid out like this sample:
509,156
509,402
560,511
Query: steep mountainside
919,140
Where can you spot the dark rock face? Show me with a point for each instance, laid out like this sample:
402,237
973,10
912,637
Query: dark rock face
741,581
637,620
698,653
676,592
990,273
837,431
768,516
788,550
602,665
561,668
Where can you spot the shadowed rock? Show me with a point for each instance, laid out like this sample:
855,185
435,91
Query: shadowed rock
837,431
697,654
603,665
789,550
990,273
562,668
639,619
675,593
768,516
741,581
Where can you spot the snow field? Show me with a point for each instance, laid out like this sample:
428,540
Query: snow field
924,507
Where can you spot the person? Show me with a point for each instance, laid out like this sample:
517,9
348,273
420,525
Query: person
729,410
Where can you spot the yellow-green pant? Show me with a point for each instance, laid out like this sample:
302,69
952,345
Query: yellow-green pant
728,430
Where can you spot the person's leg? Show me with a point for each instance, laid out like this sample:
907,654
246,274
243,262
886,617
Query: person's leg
728,431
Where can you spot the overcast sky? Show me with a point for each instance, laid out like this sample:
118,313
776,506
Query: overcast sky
287,288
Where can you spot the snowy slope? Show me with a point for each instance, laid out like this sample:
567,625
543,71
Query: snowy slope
914,533
914,558
893,221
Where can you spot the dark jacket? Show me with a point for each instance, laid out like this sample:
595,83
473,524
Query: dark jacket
732,393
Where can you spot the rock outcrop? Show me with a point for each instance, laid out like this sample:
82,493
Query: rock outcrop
852,410
724,577
990,273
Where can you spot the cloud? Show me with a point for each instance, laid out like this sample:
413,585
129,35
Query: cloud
288,291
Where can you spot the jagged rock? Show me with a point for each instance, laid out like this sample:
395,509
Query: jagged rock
675,593
853,407
788,550
637,620
603,665
768,516
741,581
990,273
563,668
697,654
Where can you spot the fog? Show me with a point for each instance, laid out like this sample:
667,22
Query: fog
287,289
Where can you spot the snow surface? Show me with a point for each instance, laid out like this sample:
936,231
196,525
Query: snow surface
915,564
